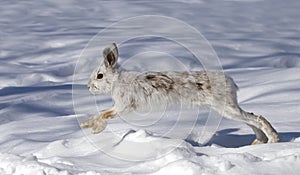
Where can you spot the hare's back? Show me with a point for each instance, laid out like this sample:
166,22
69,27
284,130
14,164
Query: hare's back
201,87
179,81
190,88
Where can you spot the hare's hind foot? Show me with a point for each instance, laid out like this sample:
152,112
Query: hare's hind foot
272,134
256,142
264,131
272,140
275,139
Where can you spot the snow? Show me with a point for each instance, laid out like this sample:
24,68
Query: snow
43,42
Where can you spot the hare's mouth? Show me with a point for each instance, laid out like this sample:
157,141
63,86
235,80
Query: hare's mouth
94,89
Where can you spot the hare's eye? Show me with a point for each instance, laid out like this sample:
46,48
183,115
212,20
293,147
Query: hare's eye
99,76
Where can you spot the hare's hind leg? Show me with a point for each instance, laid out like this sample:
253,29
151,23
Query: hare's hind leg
262,124
225,103
260,136
262,128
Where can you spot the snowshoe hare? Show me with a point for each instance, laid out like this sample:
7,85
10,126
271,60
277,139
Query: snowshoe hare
134,90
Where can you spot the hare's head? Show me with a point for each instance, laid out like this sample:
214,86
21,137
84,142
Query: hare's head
101,81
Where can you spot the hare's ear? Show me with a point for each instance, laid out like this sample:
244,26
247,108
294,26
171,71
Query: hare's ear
110,55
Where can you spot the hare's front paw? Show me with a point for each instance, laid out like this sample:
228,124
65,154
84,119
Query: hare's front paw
88,123
99,126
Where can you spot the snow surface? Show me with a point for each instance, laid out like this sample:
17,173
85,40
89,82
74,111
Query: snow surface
257,42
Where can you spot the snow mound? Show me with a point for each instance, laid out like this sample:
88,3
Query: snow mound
141,145
17,165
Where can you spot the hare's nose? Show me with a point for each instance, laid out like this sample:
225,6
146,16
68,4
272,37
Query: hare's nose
89,84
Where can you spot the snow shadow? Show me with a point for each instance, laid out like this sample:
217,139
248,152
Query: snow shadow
288,136
225,138
6,91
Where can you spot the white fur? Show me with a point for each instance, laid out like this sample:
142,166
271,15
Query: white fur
134,90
